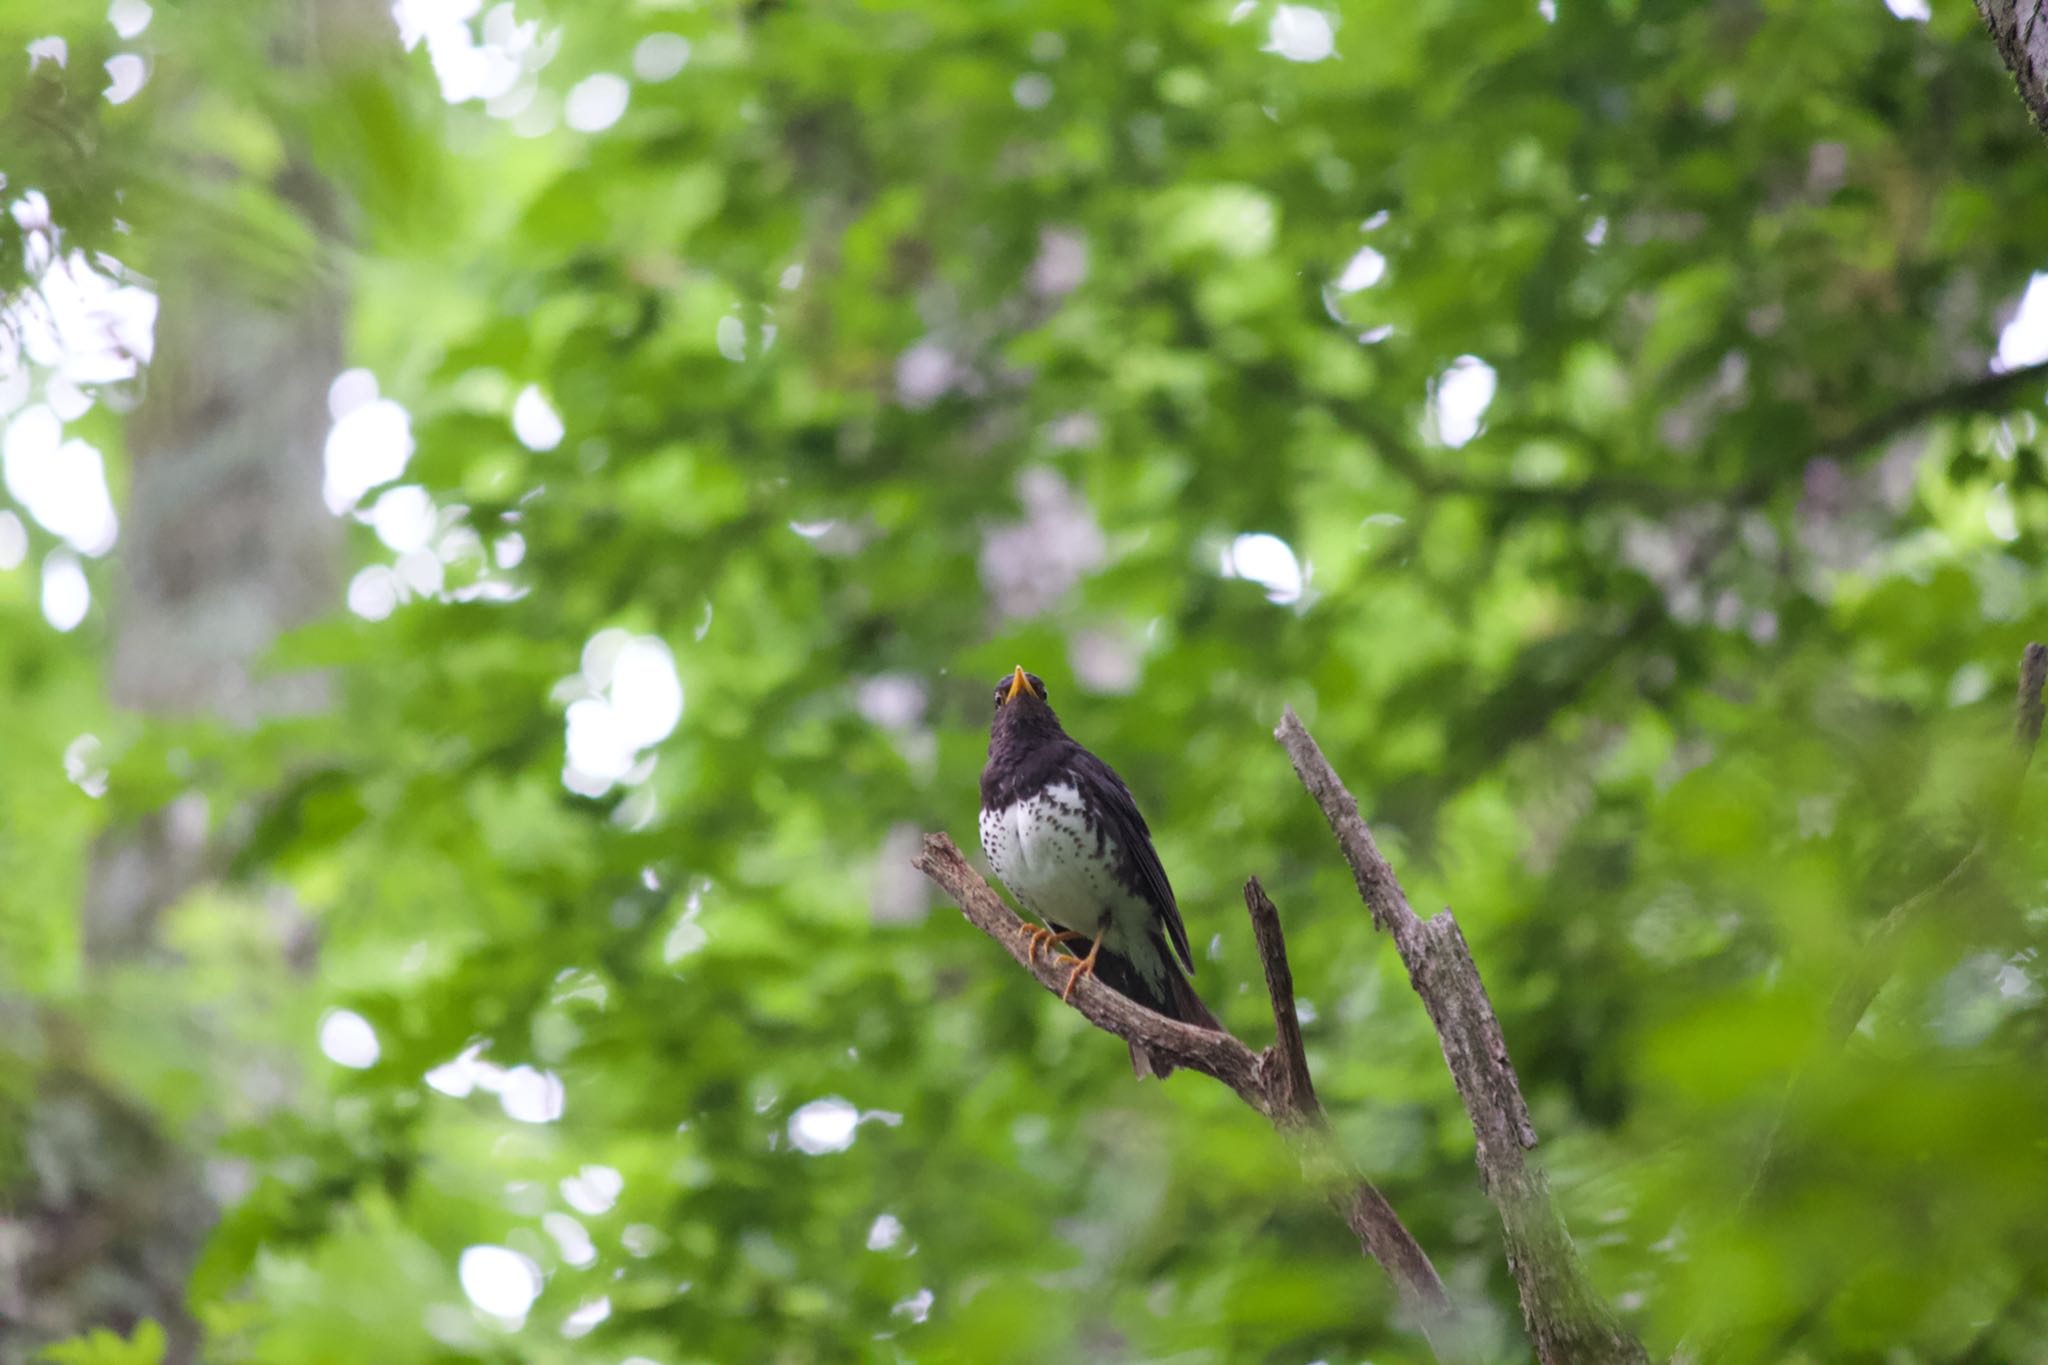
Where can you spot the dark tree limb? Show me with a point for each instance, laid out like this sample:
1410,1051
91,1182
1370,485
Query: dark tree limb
1567,1320
1293,1089
1274,1082
1981,394
1296,1112
2020,28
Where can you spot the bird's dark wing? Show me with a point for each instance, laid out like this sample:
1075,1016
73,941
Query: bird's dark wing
1102,790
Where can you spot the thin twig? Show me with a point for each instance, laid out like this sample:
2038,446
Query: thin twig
1267,1081
1290,1079
1874,965
1567,1320
1296,1110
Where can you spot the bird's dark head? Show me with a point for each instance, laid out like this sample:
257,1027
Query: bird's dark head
1027,687
1021,706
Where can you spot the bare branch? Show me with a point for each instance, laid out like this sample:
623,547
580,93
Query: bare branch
2020,28
1567,1320
1293,1089
2028,712
1274,1082
1198,1049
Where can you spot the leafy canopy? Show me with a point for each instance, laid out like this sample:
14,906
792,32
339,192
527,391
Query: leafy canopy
1586,406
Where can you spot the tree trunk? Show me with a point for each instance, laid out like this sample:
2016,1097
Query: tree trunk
226,543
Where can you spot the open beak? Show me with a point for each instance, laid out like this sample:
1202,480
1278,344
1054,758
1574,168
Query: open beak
1017,684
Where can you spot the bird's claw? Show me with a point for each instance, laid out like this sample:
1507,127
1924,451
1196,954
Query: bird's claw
1040,937
1085,967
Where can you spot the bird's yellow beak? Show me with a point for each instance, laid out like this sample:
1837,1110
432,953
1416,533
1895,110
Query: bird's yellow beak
1017,684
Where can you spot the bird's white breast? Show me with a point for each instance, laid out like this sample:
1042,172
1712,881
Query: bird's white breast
1055,862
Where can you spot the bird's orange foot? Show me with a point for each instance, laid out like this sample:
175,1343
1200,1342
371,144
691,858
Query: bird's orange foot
1085,967
1041,937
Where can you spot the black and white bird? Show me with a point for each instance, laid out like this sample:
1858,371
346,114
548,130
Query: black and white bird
1062,832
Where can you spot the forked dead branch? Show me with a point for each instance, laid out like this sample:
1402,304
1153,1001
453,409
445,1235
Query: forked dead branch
1566,1319
1273,1082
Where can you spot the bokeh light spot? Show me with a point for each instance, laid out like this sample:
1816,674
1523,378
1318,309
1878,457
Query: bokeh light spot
348,1040
1301,33
535,421
659,56
66,594
824,1125
597,102
1268,561
499,1280
1463,393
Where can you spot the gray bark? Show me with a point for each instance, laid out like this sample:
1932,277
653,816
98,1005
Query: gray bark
1567,1319
1274,1082
227,545
2020,28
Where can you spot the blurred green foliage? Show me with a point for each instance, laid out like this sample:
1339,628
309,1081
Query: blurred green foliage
1693,662
102,1347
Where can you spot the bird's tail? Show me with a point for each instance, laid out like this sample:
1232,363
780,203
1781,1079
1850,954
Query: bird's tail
1173,997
